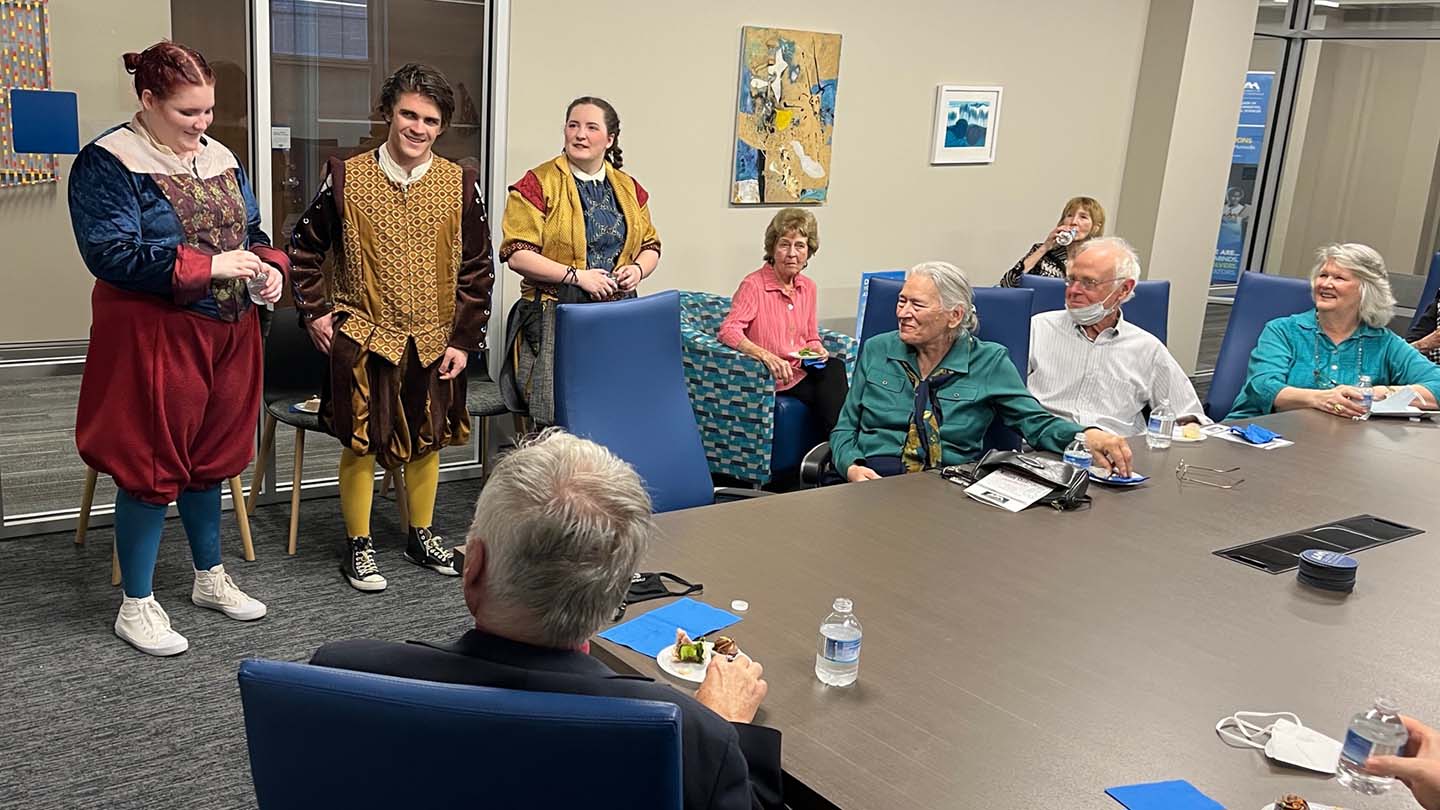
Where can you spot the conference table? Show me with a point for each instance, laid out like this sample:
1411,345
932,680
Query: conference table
1035,659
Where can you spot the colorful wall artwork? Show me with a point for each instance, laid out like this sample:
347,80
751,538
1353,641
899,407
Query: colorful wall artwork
786,116
25,64
966,122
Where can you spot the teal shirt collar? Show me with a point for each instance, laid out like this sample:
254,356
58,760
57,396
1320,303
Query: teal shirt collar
1310,323
956,360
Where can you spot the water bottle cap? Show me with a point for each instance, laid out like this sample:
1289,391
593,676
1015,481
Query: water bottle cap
843,605
1080,437
1387,704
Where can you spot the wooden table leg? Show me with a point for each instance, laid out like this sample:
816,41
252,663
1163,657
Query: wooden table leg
295,487
87,500
237,494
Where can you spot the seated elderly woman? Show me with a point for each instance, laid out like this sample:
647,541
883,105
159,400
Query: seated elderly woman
772,319
1315,359
1082,219
924,396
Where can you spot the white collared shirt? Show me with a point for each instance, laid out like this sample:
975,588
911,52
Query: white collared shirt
1107,382
587,178
396,173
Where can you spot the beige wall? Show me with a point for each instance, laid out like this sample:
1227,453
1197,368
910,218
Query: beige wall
671,70
47,287
1196,54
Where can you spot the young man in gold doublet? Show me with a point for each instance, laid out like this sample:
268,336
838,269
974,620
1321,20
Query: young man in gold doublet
400,310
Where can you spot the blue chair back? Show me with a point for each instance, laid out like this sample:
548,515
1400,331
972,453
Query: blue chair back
620,382
1005,319
880,304
1049,292
1432,285
1150,308
1259,299
302,724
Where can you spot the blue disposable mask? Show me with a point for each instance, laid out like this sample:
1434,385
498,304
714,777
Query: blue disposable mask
1255,434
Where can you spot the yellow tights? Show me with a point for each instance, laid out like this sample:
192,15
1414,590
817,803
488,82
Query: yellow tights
357,490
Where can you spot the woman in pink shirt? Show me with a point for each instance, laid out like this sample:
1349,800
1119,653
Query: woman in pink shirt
772,319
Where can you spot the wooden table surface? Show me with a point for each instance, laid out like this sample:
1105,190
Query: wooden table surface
1034,659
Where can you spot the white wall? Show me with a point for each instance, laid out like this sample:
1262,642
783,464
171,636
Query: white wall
47,289
1069,74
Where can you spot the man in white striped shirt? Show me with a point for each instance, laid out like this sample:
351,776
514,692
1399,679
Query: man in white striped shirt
1091,366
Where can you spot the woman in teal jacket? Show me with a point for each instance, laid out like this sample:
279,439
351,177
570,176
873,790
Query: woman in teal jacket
1315,359
923,397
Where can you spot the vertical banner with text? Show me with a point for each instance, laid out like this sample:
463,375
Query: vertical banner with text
1244,166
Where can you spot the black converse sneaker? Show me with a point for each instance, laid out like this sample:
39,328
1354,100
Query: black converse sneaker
357,563
428,550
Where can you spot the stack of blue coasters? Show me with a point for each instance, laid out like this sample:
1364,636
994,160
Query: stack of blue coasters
1327,570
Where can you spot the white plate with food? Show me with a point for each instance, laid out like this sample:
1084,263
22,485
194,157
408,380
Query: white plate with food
807,354
311,405
687,660
1187,433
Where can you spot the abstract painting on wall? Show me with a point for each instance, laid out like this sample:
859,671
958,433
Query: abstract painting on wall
786,116
24,64
966,122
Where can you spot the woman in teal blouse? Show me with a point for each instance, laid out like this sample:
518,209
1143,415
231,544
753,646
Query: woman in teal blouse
1314,359
924,396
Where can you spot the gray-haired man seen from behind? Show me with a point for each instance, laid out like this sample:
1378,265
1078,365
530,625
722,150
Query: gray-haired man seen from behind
1090,365
559,529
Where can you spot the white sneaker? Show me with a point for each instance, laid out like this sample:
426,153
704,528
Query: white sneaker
215,589
143,623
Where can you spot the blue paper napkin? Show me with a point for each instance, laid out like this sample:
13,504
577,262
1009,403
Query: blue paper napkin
1176,794
654,631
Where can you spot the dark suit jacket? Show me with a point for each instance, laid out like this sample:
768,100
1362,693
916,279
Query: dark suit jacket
727,766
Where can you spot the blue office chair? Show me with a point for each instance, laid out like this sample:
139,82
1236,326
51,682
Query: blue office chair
1432,285
879,314
1005,319
1149,309
518,749
1049,292
1259,299
620,382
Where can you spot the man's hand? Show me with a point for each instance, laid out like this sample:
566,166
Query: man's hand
452,363
322,331
1109,451
733,689
1419,769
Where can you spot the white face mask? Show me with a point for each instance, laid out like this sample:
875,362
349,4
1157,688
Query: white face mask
1288,741
1091,314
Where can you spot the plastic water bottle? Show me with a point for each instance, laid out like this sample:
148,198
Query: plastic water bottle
1161,427
1077,454
837,661
1065,237
1374,733
256,286
1367,391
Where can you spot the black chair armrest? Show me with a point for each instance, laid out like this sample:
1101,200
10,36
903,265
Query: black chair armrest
815,465
724,494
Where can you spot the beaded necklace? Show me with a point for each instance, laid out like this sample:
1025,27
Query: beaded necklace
1328,380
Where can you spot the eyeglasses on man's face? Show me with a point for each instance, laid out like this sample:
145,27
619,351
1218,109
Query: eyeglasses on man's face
1088,284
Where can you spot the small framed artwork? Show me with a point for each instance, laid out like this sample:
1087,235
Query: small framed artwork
967,123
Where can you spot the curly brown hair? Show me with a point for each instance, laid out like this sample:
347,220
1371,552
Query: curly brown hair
787,220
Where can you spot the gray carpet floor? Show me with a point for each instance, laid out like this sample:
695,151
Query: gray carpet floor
88,722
